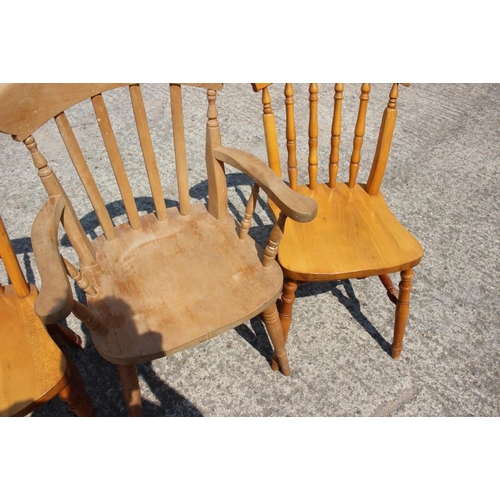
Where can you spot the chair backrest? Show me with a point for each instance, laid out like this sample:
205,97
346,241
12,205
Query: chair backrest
26,107
381,153
11,265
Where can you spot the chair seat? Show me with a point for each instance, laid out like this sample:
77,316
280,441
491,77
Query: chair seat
173,284
32,367
354,235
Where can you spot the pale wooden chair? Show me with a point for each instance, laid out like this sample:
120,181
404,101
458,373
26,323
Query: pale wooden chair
355,235
33,369
164,281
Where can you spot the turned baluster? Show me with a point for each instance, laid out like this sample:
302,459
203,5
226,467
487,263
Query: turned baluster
79,279
291,136
249,210
336,131
273,156
69,220
313,135
274,240
359,134
217,187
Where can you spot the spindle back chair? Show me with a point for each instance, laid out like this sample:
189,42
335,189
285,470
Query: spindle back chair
160,282
33,369
355,235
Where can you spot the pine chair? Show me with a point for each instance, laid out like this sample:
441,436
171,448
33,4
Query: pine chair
161,282
33,369
355,235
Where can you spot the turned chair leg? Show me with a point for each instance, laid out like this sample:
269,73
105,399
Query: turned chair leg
75,394
287,300
402,310
273,324
62,333
130,389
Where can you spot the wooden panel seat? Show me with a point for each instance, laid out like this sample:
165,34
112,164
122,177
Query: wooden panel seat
169,289
354,235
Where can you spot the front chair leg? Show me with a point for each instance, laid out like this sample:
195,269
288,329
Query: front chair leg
272,320
287,300
402,310
130,389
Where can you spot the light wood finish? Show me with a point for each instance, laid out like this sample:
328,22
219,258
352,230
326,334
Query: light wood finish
115,158
359,134
336,132
148,151
355,235
167,280
33,369
291,136
86,177
273,156
313,134
180,148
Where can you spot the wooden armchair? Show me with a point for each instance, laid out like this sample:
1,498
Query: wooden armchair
160,282
355,235
33,369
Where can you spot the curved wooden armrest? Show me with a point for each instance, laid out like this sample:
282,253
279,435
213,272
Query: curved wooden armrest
55,300
296,206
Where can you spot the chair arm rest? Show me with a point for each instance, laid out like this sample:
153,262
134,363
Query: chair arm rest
55,300
294,205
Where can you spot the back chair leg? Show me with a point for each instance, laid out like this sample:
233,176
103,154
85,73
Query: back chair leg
402,310
130,389
287,300
272,320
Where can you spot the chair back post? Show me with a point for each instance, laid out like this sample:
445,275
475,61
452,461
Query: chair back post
217,187
384,143
69,220
359,134
11,264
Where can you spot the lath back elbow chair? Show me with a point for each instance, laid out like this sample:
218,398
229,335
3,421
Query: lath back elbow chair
160,282
354,235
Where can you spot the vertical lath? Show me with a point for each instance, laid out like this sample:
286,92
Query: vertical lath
384,144
249,210
336,131
216,177
69,220
180,148
85,175
12,265
291,136
313,135
358,134
116,160
148,153
270,132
